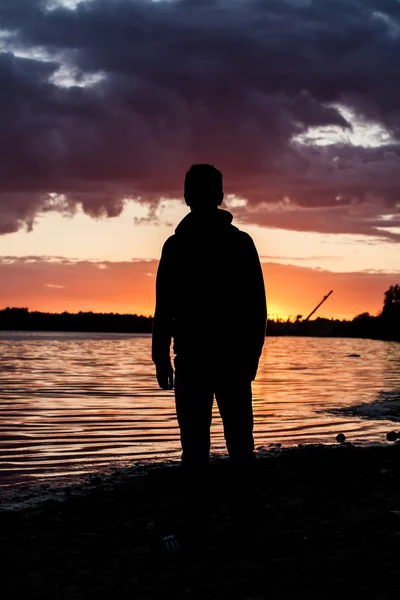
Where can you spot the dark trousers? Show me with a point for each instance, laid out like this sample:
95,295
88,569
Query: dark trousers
194,396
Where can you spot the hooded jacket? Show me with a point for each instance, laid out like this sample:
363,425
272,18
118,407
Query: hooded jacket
210,295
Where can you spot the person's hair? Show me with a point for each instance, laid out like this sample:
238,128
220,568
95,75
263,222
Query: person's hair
203,187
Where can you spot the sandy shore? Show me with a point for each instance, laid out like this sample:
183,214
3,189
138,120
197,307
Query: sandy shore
330,523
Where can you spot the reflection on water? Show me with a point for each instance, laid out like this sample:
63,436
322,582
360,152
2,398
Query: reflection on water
76,403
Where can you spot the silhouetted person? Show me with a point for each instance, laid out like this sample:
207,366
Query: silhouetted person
211,301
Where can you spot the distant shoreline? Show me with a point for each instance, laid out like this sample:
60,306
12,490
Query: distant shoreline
364,326
148,333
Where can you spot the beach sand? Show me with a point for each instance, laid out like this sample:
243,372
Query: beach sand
330,521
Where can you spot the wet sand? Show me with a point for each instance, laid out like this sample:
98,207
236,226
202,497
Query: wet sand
330,523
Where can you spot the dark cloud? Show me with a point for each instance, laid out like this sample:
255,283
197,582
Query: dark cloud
177,82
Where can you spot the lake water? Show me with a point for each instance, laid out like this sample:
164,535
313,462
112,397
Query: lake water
75,403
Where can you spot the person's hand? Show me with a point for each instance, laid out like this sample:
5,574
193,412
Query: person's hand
165,375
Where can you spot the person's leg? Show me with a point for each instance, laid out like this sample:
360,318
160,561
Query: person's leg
235,405
194,399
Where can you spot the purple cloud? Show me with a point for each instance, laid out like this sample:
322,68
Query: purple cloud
238,84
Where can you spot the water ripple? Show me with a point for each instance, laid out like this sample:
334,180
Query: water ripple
77,403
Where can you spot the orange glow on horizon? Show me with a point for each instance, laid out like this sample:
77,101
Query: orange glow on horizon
129,287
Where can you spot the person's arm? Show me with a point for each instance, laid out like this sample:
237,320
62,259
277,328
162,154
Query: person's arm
163,319
256,306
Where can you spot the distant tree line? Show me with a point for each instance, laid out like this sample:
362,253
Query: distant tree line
14,319
385,326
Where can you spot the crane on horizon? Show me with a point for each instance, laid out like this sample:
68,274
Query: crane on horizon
318,305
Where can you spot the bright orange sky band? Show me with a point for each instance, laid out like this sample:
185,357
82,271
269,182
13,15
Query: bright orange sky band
129,287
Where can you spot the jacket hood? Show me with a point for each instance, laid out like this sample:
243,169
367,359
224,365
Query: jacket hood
215,219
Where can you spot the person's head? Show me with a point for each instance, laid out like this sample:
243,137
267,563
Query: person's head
203,187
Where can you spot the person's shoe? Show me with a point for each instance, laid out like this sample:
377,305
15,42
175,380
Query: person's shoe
172,545
183,546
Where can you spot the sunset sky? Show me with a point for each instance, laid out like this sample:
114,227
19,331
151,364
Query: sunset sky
105,104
